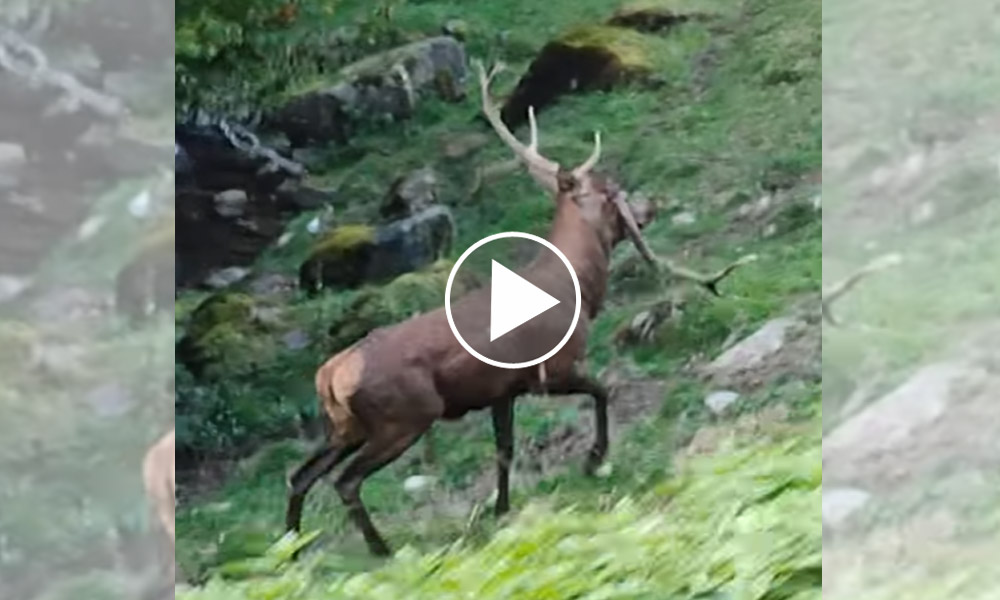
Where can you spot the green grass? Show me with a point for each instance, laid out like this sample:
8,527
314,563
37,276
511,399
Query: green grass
701,139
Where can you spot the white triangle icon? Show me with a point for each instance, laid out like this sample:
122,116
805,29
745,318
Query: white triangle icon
514,301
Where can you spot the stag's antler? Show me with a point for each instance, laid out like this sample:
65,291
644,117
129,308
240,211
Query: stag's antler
839,289
708,281
541,169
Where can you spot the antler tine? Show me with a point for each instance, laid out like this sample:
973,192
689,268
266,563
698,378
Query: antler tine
533,127
542,169
591,162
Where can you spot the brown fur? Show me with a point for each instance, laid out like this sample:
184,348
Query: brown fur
159,479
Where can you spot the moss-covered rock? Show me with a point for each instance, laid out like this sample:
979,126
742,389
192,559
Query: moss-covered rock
339,259
380,88
592,57
400,299
227,334
353,255
655,16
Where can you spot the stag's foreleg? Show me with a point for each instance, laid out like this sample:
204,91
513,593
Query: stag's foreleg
388,442
503,432
578,383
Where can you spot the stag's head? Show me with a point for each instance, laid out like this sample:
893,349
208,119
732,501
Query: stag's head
602,203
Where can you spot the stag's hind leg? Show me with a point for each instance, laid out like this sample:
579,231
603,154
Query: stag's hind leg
383,447
319,463
503,433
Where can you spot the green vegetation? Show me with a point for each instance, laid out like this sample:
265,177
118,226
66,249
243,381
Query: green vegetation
732,114
741,524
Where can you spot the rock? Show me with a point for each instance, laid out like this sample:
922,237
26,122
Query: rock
296,340
583,59
379,88
839,504
456,28
227,277
232,199
719,402
411,194
272,285
412,243
339,259
231,204
751,353
227,334
656,16
889,437
303,197
352,255
416,484
684,219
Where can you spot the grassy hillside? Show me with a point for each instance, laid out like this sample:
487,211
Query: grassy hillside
730,136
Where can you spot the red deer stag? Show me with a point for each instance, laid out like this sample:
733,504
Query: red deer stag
158,476
385,391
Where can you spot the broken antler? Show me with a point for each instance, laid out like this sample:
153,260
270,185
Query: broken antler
708,281
839,289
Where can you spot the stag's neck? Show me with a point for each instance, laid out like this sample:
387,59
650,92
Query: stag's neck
586,250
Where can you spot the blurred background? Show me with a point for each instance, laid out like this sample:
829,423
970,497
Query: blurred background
86,210
911,166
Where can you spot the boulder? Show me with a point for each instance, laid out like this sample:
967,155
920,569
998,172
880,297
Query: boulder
594,57
227,334
411,194
352,255
233,198
384,87
656,16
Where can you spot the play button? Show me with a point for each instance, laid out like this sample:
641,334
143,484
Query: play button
514,301
524,303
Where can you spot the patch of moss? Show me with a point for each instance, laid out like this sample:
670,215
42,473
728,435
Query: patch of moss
343,240
339,259
632,50
224,336
218,310
400,299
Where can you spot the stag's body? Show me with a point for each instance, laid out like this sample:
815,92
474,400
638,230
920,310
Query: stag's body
384,392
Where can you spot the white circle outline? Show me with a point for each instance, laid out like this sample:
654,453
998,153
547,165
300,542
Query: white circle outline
481,243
